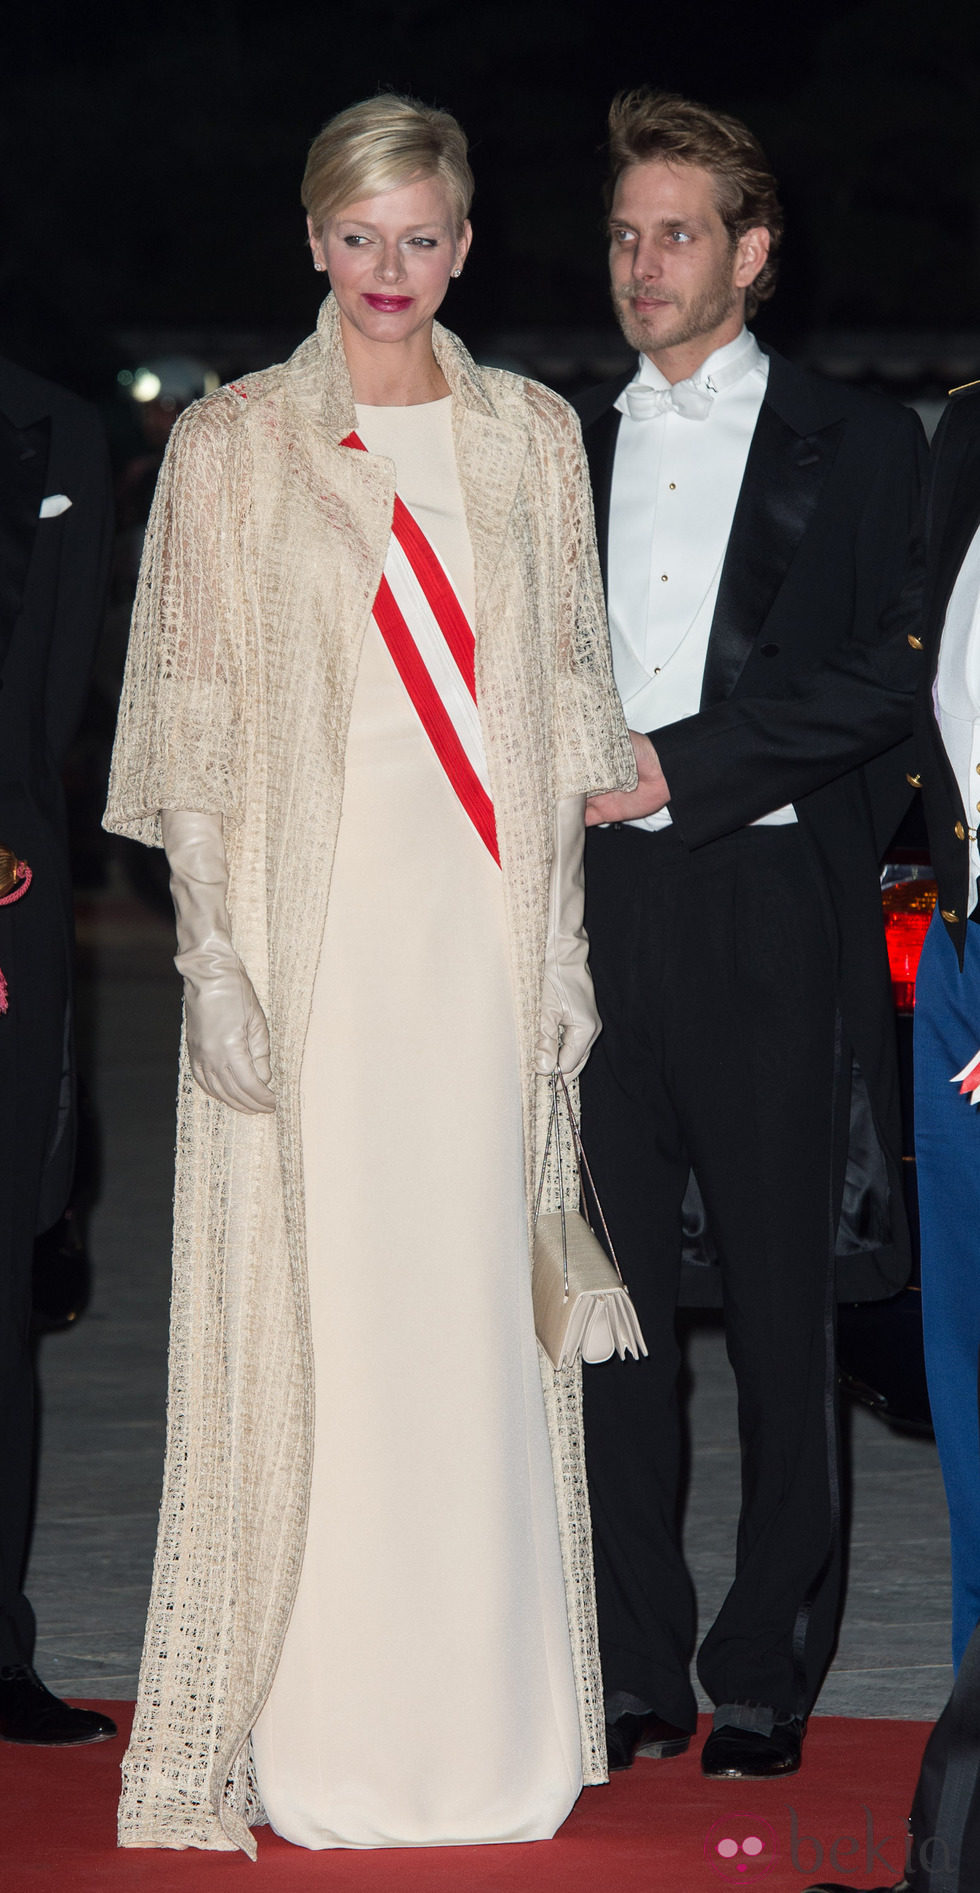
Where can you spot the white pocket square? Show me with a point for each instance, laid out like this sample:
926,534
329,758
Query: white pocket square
54,504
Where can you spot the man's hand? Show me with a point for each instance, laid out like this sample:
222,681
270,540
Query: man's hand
651,792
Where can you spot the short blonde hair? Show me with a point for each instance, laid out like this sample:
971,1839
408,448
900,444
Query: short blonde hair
380,144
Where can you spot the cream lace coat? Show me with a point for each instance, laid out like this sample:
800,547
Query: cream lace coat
263,555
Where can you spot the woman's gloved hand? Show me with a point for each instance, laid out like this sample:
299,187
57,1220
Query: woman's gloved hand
227,1036
569,1021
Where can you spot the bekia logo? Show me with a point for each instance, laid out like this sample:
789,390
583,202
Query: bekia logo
740,1848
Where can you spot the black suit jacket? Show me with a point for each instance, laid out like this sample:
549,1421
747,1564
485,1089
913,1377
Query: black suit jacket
807,698
950,518
52,582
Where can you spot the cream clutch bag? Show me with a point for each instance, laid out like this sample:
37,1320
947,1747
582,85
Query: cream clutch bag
582,1306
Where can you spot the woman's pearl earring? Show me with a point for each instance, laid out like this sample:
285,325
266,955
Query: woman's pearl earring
317,265
457,272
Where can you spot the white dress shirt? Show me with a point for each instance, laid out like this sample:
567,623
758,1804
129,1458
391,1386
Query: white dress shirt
677,475
956,693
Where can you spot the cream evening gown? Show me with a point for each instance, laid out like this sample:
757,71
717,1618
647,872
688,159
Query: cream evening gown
425,1693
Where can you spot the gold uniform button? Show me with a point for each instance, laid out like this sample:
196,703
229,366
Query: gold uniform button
916,643
960,832
914,782
948,913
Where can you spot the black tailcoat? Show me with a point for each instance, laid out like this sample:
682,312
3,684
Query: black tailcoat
809,676
52,578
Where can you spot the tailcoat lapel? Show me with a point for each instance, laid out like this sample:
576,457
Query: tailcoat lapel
23,469
600,429
600,446
792,451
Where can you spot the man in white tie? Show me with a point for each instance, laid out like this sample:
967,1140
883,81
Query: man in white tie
55,539
753,521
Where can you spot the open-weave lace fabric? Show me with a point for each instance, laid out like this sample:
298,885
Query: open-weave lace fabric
263,555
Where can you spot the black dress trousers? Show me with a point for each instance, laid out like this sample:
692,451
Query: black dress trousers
35,958
715,980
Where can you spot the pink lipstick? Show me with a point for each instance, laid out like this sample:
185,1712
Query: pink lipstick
388,305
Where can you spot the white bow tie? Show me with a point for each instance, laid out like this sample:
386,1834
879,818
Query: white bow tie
644,402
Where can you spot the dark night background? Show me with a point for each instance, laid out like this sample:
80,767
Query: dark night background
151,159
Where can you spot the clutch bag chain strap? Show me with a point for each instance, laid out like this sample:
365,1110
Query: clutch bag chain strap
559,1088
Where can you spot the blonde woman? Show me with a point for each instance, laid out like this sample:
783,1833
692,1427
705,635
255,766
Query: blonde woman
368,687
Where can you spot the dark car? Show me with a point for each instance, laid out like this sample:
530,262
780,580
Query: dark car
879,1344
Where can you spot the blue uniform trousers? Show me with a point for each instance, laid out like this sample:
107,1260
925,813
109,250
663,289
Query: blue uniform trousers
947,1148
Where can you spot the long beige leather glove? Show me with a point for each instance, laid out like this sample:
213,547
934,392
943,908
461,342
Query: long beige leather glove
227,1036
569,1021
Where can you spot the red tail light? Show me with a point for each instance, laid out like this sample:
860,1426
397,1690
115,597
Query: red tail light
907,909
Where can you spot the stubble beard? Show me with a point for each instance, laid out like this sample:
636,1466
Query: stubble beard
705,313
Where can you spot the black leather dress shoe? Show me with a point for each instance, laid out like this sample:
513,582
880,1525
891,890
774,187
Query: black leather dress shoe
839,1886
747,1754
647,1735
29,1713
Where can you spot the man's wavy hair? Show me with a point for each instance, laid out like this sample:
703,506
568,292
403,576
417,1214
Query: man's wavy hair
645,125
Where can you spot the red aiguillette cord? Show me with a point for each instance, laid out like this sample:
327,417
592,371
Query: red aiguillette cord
23,882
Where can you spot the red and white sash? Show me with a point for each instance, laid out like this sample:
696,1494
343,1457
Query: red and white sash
431,641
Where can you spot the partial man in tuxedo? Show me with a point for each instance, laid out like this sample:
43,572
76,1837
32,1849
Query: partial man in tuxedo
753,522
55,529
945,1853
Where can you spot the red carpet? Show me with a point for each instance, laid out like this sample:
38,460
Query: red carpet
655,1829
